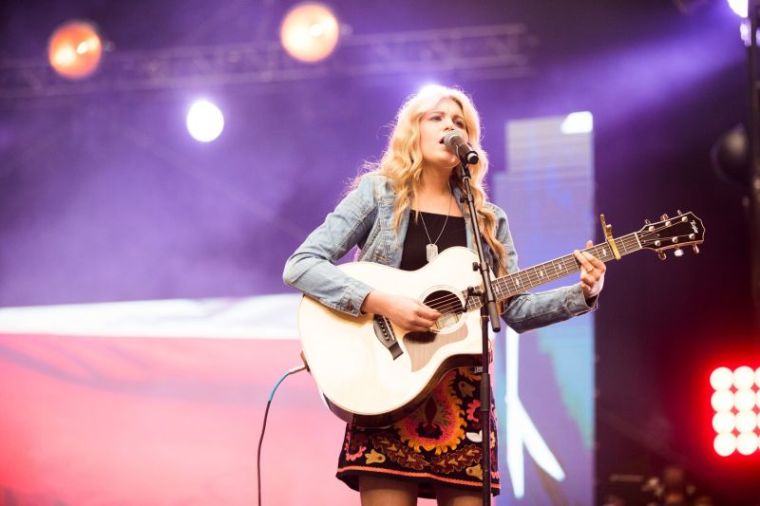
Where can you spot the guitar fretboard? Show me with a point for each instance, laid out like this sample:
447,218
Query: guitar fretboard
520,281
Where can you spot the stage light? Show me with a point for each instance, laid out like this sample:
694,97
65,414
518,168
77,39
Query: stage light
724,422
724,444
721,378
744,400
739,7
736,400
205,121
429,88
578,123
722,400
746,443
744,377
309,32
75,49
746,421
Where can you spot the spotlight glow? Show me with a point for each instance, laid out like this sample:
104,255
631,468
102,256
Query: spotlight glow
309,32
429,88
744,377
721,378
739,7
75,49
736,401
724,444
746,443
724,422
746,421
744,400
205,121
578,123
722,400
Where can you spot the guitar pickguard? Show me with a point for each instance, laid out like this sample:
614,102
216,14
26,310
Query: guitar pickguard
448,329
421,346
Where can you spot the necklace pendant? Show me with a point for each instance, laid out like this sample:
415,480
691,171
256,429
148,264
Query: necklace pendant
431,251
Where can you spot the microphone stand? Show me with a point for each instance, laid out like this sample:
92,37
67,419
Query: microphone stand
488,311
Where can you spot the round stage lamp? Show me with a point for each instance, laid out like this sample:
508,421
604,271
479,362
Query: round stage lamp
724,444
744,400
746,443
205,121
75,49
746,421
724,422
309,32
722,400
744,377
739,7
721,378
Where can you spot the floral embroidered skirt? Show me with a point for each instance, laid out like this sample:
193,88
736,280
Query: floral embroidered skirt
438,444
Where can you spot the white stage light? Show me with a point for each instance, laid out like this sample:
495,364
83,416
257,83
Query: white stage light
309,32
205,121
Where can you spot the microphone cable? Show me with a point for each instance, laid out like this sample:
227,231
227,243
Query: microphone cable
264,425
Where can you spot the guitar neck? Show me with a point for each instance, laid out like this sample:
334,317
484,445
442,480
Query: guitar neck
541,274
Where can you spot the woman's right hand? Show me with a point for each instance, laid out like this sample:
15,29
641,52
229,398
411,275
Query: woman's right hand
405,312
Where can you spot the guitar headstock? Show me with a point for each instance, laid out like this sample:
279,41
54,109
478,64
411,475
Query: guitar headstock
672,233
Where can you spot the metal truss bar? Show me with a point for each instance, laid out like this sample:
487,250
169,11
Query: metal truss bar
502,50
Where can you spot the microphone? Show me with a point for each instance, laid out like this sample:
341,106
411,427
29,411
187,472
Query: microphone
457,145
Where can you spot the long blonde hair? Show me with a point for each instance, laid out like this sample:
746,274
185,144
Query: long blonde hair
401,162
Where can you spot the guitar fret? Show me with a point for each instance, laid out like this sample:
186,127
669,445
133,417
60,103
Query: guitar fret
554,269
540,274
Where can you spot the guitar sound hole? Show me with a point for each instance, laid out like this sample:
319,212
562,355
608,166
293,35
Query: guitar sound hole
448,304
420,337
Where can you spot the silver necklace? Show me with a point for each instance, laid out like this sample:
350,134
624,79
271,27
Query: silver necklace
431,250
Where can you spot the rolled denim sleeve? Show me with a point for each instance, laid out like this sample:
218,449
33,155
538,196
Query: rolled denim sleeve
527,311
311,268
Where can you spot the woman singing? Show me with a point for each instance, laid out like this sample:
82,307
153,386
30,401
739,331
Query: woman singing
402,213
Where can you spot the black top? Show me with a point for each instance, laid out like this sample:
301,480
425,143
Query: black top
416,241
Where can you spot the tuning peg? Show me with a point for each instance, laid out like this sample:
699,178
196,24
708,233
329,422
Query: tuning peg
647,222
664,216
696,249
679,212
678,252
661,255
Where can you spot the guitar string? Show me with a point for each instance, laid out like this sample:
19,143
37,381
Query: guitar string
567,266
451,302
567,263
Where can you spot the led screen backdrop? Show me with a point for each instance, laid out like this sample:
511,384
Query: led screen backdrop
546,377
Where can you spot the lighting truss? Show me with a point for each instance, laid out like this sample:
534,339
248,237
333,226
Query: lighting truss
493,51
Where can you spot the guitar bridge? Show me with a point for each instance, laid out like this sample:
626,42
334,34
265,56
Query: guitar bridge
384,333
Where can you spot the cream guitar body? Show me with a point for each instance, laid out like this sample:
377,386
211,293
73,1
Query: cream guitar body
373,372
352,361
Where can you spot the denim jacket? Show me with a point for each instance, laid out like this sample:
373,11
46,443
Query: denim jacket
364,218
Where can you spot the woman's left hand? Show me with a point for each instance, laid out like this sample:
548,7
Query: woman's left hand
592,272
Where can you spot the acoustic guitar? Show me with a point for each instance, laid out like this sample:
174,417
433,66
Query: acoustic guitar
372,372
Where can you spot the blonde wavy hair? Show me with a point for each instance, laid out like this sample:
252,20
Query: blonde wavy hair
401,162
